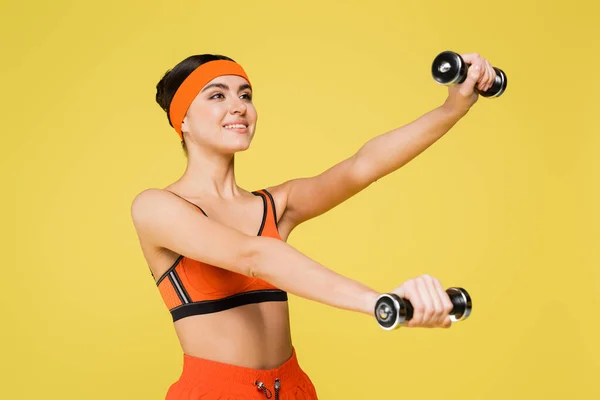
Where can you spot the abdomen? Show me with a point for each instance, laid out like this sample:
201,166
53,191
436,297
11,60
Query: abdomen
253,336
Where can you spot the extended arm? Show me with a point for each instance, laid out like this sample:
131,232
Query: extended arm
166,221
306,198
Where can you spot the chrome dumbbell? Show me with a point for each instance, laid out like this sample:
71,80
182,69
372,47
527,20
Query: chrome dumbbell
449,68
391,311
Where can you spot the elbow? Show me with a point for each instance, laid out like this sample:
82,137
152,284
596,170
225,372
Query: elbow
363,172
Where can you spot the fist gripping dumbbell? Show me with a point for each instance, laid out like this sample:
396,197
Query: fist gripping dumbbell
391,311
449,68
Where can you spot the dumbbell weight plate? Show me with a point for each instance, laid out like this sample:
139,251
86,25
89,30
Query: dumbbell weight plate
448,68
462,304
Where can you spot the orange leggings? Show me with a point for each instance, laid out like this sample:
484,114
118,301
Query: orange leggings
211,380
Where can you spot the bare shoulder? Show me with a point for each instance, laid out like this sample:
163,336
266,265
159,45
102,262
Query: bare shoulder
141,199
146,204
144,216
154,210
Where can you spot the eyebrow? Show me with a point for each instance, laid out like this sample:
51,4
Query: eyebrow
225,87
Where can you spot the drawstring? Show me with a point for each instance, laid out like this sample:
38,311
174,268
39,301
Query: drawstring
261,386
267,392
277,385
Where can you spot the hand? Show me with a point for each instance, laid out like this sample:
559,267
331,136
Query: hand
480,75
431,303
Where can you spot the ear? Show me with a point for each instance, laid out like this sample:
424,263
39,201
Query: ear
184,128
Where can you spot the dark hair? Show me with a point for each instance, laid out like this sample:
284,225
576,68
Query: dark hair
173,78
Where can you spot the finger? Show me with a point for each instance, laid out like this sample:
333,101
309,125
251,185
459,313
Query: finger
411,294
438,308
446,302
447,323
493,77
400,291
428,310
473,75
488,72
485,76
490,75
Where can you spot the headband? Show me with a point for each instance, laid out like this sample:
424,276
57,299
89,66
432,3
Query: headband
193,84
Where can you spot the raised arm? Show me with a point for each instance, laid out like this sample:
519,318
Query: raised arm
306,198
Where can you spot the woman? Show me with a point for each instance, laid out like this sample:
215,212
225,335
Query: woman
218,252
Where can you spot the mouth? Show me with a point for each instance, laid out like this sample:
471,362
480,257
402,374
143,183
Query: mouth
238,128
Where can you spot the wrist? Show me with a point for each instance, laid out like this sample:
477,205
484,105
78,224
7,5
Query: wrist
369,302
452,112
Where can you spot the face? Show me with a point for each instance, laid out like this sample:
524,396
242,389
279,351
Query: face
222,116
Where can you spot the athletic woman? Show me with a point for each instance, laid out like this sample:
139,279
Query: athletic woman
218,252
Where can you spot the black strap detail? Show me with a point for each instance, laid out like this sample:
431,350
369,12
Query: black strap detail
179,294
176,282
272,207
171,268
264,217
240,299
194,204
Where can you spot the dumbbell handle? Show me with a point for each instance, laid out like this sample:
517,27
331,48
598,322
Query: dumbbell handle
457,299
391,310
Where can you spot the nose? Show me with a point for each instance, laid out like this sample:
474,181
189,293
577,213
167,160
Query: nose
237,106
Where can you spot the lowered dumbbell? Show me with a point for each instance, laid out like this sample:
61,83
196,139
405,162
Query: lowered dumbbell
449,68
391,310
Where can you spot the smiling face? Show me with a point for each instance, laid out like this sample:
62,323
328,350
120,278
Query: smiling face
222,116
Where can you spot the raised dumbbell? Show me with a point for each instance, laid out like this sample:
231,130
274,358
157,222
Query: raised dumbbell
449,68
391,311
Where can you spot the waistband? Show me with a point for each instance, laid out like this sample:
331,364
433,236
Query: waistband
196,369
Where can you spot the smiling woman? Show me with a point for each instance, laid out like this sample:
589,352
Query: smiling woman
219,254
188,72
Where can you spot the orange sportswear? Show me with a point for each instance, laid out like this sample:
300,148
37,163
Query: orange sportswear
191,287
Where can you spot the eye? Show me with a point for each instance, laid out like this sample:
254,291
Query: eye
247,96
217,96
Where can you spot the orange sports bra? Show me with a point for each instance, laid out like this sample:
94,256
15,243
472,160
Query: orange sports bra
190,287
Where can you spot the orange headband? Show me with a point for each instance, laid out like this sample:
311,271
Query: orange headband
193,84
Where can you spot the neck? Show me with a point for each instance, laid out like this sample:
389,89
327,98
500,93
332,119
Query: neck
210,173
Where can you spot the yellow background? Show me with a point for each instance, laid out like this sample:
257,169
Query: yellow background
506,205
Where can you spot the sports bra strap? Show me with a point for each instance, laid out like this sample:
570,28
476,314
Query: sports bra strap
195,205
271,211
271,205
270,214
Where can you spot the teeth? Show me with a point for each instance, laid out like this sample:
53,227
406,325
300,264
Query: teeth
235,126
